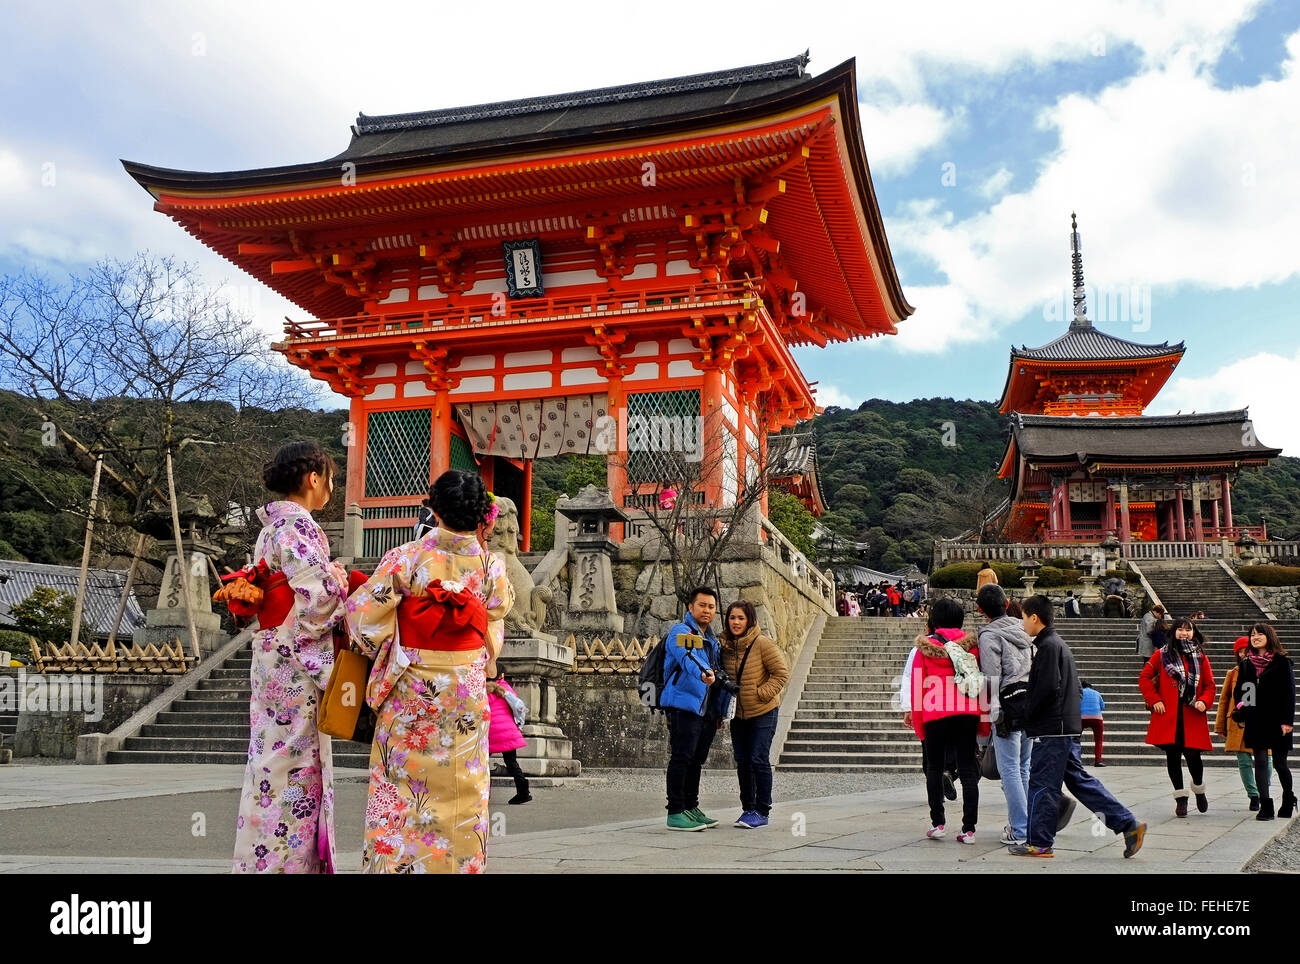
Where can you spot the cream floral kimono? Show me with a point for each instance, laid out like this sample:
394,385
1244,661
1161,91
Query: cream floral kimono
286,812
429,774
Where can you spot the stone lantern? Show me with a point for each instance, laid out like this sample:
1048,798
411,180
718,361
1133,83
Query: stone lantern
592,607
1029,567
1111,546
1246,548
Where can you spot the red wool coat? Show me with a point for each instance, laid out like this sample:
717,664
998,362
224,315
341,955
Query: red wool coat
1158,686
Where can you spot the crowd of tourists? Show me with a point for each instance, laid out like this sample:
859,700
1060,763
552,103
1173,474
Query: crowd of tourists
430,624
883,599
1013,685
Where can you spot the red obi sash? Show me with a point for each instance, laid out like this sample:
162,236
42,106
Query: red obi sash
449,619
256,591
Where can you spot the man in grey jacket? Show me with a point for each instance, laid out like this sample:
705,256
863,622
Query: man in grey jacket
1005,650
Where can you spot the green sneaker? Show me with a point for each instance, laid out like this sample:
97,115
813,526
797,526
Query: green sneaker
702,818
684,821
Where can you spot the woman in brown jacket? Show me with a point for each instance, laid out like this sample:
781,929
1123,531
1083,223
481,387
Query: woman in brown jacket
755,663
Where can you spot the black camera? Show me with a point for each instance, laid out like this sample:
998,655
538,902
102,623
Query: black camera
726,682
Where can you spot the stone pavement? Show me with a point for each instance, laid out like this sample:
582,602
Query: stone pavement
68,819
883,831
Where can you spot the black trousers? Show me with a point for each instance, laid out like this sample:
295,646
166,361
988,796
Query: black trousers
689,738
1174,751
1279,764
957,732
511,758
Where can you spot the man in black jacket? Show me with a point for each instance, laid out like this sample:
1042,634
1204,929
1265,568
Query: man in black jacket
1052,719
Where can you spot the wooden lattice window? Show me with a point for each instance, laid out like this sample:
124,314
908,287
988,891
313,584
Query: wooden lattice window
398,452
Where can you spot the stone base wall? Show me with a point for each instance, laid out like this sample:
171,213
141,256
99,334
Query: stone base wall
602,714
46,730
1282,601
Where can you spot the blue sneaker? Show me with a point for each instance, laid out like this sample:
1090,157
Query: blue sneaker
751,820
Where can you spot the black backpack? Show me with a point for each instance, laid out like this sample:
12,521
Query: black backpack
650,681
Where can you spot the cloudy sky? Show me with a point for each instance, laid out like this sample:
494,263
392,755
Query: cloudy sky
1170,127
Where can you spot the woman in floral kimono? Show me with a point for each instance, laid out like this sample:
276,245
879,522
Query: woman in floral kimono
432,616
286,812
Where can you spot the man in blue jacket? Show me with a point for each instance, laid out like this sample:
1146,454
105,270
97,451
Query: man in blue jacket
690,657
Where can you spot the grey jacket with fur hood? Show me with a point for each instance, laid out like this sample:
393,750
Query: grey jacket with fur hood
1005,651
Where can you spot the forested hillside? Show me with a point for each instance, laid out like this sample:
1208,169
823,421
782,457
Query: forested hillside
896,475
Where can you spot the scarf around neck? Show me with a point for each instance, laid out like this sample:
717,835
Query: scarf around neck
1187,675
1261,660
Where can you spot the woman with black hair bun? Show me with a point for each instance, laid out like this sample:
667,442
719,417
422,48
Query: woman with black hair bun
432,617
286,810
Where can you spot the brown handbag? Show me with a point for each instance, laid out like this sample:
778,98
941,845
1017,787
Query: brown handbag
344,713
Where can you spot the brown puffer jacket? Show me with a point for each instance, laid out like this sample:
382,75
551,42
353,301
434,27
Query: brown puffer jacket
1233,733
765,673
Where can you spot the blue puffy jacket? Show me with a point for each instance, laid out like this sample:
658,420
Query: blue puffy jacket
683,688
1091,704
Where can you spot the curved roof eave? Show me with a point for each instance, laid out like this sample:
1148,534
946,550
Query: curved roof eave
840,81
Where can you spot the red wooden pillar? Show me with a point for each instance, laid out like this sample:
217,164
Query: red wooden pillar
1111,525
1214,505
1181,514
1198,525
1125,533
440,444
526,510
1066,522
616,461
355,439
711,410
1227,502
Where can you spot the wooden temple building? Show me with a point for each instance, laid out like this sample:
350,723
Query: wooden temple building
1083,460
492,284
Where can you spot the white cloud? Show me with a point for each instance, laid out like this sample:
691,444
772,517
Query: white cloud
828,395
1176,182
896,137
996,183
1265,382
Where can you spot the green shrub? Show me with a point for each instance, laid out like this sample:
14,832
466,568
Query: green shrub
17,645
962,575
1269,575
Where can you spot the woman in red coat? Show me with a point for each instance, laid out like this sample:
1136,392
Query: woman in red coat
1178,686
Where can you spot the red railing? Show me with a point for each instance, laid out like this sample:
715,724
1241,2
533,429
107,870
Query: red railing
559,308
1211,534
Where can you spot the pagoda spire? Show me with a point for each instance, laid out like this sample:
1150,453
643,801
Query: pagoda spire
1076,259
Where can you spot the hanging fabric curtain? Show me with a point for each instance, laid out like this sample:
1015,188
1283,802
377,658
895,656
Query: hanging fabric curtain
533,428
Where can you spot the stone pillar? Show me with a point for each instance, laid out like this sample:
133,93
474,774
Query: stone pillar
167,622
533,665
353,532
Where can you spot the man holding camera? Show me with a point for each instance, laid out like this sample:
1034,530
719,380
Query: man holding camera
690,665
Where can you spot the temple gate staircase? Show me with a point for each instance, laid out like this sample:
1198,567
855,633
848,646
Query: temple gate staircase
209,724
847,717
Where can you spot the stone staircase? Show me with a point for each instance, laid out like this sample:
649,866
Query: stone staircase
847,718
1186,586
209,724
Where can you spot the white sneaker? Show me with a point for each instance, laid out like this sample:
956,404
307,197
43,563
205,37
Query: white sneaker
1009,839
935,833
967,837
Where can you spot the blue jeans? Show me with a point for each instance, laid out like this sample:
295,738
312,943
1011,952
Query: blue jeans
1013,754
751,744
1055,761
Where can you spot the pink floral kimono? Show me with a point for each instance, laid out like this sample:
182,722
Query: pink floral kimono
429,777
286,812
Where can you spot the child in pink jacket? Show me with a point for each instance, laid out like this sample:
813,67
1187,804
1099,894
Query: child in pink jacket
506,716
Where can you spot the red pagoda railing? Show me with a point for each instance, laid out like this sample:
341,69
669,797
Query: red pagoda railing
530,310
